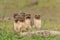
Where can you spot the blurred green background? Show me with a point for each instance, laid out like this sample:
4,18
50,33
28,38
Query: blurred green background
48,9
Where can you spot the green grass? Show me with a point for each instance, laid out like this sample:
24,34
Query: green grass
11,36
48,9
7,33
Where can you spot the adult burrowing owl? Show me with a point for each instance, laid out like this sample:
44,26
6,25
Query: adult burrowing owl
28,21
19,23
37,22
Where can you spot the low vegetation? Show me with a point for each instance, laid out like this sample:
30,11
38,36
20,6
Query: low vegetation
7,33
48,9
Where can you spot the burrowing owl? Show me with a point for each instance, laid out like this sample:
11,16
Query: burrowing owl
28,21
19,23
37,22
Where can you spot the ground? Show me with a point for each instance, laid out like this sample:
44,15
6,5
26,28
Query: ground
7,33
48,9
